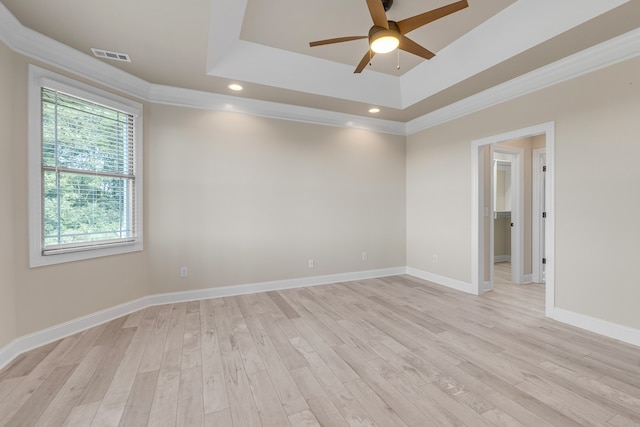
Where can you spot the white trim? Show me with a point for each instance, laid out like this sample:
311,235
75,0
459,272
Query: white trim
199,99
598,326
39,47
477,209
28,342
501,258
38,78
230,56
486,286
537,236
54,333
616,50
456,284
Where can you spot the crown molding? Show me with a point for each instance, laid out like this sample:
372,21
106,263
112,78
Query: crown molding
199,99
34,45
41,48
616,50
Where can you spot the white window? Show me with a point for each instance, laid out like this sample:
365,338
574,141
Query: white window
85,176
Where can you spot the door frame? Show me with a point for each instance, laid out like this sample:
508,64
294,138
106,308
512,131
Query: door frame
478,208
537,209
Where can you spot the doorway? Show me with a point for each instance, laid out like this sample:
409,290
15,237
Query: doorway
506,212
481,269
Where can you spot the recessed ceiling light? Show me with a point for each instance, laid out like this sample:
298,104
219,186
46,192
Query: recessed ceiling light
374,110
235,86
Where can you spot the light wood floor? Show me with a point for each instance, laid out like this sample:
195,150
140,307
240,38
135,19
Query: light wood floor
385,352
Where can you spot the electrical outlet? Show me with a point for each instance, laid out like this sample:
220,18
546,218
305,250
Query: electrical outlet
184,271
364,256
311,263
435,257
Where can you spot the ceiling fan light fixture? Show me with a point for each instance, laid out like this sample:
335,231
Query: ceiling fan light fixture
383,40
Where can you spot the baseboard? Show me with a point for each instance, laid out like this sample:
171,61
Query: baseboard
54,333
276,285
37,339
528,278
502,258
486,286
456,284
599,326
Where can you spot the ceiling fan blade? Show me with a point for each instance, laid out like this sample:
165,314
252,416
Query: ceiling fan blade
336,40
410,46
410,24
379,16
365,60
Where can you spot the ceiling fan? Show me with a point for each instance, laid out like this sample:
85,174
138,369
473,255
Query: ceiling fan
385,36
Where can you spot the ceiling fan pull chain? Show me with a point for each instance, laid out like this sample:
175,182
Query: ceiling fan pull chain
398,66
370,57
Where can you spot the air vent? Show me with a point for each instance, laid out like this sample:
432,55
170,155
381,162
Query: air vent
111,55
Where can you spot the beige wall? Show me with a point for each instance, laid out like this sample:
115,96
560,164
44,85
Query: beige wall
7,276
242,199
596,168
47,296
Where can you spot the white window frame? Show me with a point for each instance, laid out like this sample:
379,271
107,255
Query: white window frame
38,78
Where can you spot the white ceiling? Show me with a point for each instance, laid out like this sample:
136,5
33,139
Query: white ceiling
203,45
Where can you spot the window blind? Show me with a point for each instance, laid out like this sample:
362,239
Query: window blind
88,174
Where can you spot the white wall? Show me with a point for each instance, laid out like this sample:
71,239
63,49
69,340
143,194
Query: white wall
597,197
242,199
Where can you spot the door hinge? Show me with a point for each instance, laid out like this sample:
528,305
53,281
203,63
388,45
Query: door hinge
544,260
544,214
544,169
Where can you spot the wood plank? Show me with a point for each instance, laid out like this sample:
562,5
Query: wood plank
267,402
164,409
288,392
241,403
36,378
103,375
152,357
388,351
283,305
250,356
373,404
190,404
8,385
82,415
73,389
136,411
407,411
32,409
220,418
320,404
115,399
214,388
304,419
